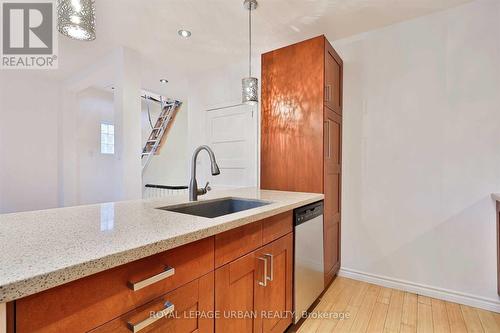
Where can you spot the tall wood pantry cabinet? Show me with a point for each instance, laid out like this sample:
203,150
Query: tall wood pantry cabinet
301,130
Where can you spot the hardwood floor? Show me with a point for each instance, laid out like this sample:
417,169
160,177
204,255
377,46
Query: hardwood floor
371,308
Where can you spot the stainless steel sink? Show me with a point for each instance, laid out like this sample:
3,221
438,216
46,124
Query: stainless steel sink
217,207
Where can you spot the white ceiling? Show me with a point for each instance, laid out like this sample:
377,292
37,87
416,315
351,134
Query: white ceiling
219,28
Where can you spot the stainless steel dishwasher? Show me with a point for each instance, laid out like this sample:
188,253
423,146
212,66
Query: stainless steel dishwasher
308,258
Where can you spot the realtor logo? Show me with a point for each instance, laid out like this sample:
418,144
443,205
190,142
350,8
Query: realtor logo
29,34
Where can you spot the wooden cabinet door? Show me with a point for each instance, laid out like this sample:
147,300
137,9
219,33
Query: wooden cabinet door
333,79
254,293
236,288
277,293
332,188
291,113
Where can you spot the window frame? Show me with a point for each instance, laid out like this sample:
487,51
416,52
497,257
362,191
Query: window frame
107,138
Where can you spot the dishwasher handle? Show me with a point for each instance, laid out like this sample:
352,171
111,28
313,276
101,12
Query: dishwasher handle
309,212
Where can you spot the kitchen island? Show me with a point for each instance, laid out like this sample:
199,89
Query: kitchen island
50,250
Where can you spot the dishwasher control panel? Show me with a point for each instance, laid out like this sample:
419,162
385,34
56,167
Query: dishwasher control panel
308,212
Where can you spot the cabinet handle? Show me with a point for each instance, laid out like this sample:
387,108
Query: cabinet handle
264,284
169,271
169,308
328,93
271,257
328,143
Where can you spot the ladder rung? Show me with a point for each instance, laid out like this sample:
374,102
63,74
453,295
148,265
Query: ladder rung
165,117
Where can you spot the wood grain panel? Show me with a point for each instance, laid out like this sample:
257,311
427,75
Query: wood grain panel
7,318
332,190
471,318
92,301
235,243
395,312
424,318
428,314
277,295
276,226
377,320
440,319
333,79
235,288
190,302
409,316
301,135
457,324
292,117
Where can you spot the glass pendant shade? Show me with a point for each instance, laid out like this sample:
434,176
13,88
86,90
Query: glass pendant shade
250,90
76,19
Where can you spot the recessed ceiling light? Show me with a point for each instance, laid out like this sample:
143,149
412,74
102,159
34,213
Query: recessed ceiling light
163,81
184,33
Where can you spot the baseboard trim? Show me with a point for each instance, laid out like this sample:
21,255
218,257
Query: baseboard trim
425,290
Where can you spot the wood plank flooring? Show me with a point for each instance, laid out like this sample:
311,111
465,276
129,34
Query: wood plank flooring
370,308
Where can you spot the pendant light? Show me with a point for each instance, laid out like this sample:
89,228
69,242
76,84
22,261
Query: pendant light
250,84
76,19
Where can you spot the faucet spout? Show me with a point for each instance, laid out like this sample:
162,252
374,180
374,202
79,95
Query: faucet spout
193,185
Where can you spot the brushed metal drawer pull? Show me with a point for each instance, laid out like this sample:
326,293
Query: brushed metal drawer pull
169,271
169,308
271,257
264,284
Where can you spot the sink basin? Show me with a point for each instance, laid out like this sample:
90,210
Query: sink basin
217,207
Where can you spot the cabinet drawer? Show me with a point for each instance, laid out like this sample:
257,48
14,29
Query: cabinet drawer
94,300
235,243
183,310
276,226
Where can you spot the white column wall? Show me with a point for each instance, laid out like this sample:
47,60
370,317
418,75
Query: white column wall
128,127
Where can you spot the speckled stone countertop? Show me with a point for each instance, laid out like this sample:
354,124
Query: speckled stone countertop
43,249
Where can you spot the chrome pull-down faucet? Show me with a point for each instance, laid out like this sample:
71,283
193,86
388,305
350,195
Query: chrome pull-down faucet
194,191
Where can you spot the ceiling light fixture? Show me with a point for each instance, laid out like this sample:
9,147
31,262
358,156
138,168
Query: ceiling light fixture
76,19
184,33
163,81
250,84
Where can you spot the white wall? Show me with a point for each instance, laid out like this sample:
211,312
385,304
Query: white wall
421,150
127,105
29,108
120,69
170,167
96,172
216,88
47,156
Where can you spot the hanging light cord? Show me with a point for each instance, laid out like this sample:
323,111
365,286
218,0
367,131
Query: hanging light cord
250,39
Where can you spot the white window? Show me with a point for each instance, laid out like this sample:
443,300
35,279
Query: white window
107,139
